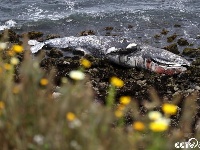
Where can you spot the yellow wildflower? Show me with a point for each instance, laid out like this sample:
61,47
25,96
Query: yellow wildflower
86,63
44,81
2,105
121,107
154,115
118,113
125,100
70,116
139,126
7,66
159,125
17,48
117,82
169,109
15,89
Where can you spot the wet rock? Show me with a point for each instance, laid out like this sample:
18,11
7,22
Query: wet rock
78,52
171,38
198,36
10,35
157,36
130,26
55,53
109,28
196,62
191,52
164,32
33,34
107,34
177,25
182,42
52,36
172,48
87,32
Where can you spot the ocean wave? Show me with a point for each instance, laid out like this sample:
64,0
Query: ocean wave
8,24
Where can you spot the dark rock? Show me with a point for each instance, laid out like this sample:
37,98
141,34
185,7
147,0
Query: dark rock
55,53
33,34
172,48
196,62
182,42
130,26
52,36
192,52
107,34
10,35
164,32
87,32
157,36
171,38
78,52
109,28
177,25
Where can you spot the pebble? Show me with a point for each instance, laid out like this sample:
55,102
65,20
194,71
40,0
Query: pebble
197,88
56,94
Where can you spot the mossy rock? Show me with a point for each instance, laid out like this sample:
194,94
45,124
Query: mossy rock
172,48
55,53
164,32
196,62
190,51
33,34
171,38
11,36
182,42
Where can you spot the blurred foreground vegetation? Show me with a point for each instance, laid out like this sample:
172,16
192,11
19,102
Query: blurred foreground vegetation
37,115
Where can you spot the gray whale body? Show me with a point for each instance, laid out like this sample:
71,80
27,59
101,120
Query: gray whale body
122,51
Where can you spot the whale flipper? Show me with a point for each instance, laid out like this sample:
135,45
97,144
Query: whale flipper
36,46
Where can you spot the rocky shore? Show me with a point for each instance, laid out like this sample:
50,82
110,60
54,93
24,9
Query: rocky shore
137,81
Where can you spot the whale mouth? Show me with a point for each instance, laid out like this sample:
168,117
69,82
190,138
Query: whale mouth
162,67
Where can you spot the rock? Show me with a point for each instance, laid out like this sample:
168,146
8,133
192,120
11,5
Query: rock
197,88
79,53
171,38
196,62
182,42
109,28
33,34
157,36
87,32
172,48
52,36
11,36
164,31
191,52
55,53
177,25
130,26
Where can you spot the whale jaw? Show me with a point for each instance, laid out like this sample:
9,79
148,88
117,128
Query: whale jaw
167,69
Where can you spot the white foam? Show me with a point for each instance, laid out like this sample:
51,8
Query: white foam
8,24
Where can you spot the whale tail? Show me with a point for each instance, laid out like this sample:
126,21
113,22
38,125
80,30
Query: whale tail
35,45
